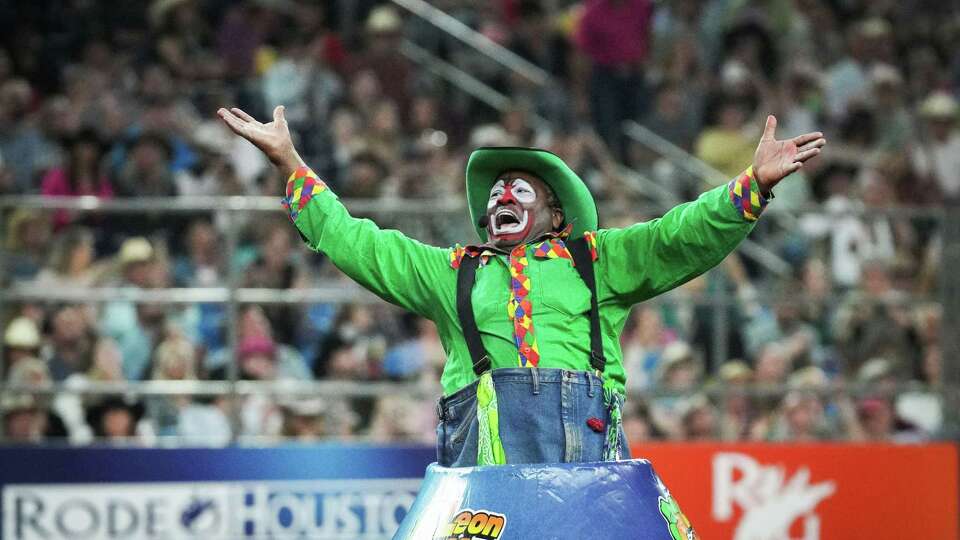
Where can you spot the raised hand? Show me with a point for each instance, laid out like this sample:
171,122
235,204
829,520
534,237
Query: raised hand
273,138
774,160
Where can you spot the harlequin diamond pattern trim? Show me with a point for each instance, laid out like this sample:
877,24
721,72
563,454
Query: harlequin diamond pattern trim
302,185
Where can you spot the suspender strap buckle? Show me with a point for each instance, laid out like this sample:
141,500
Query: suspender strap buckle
482,366
597,361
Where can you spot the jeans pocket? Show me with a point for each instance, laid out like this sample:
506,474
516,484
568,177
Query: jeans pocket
463,429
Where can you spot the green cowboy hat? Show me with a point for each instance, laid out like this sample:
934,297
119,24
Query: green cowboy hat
487,163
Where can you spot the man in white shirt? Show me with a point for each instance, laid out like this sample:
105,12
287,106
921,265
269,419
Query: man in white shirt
937,156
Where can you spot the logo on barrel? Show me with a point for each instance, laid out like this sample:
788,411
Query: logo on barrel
679,525
473,525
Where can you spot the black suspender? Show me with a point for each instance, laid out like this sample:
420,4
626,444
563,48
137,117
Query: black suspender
465,279
466,276
583,262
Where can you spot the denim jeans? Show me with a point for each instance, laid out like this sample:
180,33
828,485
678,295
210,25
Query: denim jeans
543,413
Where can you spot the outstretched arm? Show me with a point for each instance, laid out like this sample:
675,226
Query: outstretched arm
396,268
646,259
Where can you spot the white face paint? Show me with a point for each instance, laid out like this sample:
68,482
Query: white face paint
523,191
495,192
505,219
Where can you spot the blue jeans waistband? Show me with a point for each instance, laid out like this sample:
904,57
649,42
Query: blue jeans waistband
531,375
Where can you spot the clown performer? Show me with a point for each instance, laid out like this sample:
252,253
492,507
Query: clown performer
530,318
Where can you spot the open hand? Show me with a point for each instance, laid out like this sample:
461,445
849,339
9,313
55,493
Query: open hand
775,160
273,138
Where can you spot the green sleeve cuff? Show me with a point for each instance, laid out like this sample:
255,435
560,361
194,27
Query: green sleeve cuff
745,195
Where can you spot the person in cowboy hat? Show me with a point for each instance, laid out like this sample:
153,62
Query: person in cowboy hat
530,318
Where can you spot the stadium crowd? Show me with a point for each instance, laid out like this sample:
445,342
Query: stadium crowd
116,99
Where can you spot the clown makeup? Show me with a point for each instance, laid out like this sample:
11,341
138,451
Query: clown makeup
508,202
517,209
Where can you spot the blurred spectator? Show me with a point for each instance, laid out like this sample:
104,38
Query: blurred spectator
276,267
881,424
798,419
26,150
383,138
638,428
134,325
537,40
894,123
937,155
173,360
699,421
303,419
724,144
202,265
679,374
241,33
23,420
147,173
257,361
226,164
736,413
26,243
786,324
213,173
383,58
71,261
106,366
119,420
847,79
204,422
254,327
71,343
614,35
184,39
21,341
27,418
345,126
801,100
420,357
81,176
643,346
875,321
917,411
673,119
353,348
366,176
772,365
402,418
308,88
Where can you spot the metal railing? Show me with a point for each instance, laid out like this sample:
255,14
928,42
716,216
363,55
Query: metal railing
461,79
476,40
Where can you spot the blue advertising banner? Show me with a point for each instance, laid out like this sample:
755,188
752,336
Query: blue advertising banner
322,492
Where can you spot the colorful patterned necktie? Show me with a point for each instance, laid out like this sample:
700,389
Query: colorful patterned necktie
520,310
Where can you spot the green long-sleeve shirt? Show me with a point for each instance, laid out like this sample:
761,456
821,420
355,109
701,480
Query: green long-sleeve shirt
631,264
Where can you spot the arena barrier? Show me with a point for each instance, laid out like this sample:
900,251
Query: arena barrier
364,492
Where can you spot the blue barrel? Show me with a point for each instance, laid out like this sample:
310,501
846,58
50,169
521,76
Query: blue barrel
575,501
